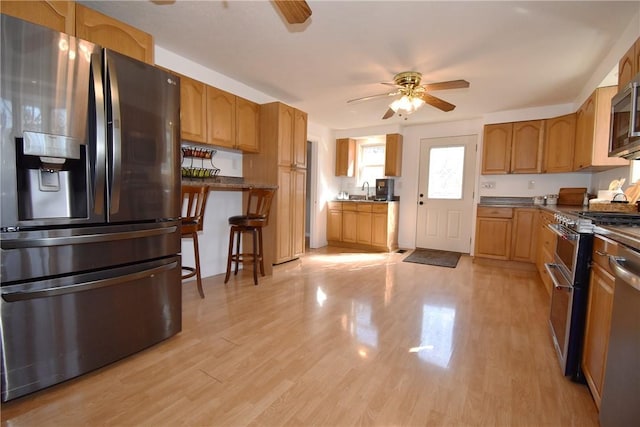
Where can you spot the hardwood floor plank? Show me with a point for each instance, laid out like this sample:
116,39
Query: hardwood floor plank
338,338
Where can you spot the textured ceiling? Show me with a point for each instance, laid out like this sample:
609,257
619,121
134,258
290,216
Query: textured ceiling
515,54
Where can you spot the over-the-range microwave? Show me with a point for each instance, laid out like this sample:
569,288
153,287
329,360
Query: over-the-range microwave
624,140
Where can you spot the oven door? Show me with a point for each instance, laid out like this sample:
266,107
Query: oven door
560,313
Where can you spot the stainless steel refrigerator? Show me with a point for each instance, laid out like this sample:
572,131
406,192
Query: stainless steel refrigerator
90,206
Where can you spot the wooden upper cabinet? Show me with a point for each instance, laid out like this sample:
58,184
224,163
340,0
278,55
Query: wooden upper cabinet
193,110
113,34
629,65
247,125
393,155
299,139
345,156
496,148
559,136
285,146
57,15
221,117
526,149
592,132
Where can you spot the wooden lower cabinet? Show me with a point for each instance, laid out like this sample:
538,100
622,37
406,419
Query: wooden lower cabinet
598,320
334,221
546,247
290,198
493,233
506,233
363,225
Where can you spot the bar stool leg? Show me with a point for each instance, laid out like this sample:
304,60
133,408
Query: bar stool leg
229,255
238,255
196,251
254,232
260,253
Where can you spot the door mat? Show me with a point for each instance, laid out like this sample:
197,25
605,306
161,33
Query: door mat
434,257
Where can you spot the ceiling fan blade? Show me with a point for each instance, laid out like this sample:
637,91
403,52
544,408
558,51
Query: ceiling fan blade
294,11
388,114
453,84
366,98
437,102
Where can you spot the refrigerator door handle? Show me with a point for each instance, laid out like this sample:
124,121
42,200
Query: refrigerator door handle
101,142
95,284
116,160
19,243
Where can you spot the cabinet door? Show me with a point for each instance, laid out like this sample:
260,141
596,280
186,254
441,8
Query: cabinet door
285,216
193,110
299,139
298,202
349,225
285,132
598,324
526,149
626,68
496,148
247,125
524,237
493,238
345,156
393,155
221,117
57,15
585,124
363,228
334,224
113,34
559,136
379,229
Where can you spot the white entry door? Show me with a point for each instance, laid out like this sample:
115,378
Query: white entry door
445,193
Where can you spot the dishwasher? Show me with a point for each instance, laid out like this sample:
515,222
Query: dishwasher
620,405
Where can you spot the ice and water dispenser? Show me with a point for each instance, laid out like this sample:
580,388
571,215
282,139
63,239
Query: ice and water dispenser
51,172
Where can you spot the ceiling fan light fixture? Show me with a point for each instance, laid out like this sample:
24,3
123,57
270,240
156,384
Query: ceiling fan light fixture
407,103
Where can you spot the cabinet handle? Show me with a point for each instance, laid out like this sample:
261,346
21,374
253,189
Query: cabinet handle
601,253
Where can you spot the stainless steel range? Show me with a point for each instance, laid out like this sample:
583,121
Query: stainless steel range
570,274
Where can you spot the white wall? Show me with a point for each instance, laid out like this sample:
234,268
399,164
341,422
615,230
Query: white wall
324,183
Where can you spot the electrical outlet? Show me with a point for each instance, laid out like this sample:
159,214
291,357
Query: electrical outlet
488,184
531,185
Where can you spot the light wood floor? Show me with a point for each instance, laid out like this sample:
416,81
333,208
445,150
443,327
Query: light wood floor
338,339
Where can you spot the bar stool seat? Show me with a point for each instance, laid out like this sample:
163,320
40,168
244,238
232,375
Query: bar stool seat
256,218
194,201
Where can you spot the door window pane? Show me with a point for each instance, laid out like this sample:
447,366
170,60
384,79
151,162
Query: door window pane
446,167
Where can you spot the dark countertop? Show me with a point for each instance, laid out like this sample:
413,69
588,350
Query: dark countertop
230,183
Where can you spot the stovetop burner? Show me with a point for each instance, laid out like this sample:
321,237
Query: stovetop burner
611,218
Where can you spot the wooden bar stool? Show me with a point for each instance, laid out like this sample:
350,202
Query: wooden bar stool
194,201
256,218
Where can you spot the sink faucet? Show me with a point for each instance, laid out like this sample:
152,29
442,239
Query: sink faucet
367,184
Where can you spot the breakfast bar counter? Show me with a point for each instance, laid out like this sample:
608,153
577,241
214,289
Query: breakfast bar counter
228,183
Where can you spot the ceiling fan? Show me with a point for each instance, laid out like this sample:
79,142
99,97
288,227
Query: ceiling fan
294,11
413,95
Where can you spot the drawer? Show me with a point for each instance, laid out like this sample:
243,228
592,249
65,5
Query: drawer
349,206
335,206
491,212
379,208
364,207
602,248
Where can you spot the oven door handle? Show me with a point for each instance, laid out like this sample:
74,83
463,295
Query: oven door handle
556,283
559,231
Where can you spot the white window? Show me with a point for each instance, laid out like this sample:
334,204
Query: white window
635,171
446,172
370,160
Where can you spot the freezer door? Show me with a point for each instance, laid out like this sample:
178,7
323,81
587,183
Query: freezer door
30,255
54,330
143,104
